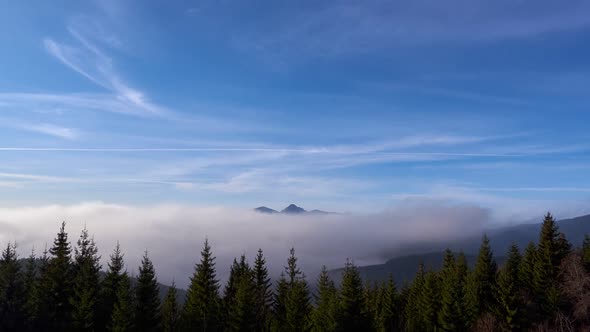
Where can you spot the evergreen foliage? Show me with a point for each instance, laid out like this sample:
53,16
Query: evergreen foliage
40,303
122,318
202,310
170,310
110,287
58,284
412,313
298,308
237,272
450,295
12,315
31,289
326,300
428,305
280,303
292,307
373,298
527,267
552,248
86,283
389,314
510,306
147,300
586,252
481,285
242,312
352,315
263,296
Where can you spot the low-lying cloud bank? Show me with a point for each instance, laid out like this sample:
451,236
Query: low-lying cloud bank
174,234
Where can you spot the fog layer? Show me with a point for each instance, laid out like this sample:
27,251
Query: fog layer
174,234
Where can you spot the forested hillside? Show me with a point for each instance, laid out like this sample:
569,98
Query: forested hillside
431,255
543,287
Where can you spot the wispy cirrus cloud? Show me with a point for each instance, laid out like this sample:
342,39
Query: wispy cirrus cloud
72,102
36,177
397,146
52,130
87,59
537,189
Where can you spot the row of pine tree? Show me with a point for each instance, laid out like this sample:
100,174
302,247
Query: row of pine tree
545,288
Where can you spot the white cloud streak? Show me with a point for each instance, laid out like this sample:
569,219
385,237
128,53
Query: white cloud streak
92,63
52,130
36,177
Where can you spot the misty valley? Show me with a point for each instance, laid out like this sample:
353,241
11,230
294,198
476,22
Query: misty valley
543,285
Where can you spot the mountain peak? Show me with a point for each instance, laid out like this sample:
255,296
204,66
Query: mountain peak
264,209
293,209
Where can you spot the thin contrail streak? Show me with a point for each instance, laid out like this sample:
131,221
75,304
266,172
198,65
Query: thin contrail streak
318,151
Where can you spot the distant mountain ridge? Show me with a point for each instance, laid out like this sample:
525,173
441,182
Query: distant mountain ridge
521,234
404,265
404,268
292,209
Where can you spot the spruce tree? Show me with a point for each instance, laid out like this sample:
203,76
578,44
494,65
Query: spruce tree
326,300
86,284
242,312
298,306
509,297
59,283
450,296
263,297
147,298
110,288
403,297
526,274
586,252
41,300
279,319
31,288
170,310
201,310
552,248
480,288
462,323
352,315
237,270
527,268
429,301
372,298
230,288
239,298
389,315
412,314
292,307
122,317
12,314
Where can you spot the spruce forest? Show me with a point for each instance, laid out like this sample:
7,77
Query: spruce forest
543,287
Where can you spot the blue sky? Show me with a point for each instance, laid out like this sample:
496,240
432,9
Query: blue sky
338,105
